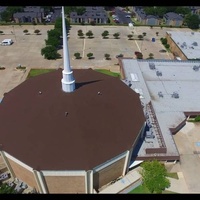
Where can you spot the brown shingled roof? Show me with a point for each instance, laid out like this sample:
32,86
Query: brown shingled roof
35,129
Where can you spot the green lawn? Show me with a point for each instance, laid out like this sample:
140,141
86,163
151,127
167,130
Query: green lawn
108,72
36,72
172,175
140,190
143,190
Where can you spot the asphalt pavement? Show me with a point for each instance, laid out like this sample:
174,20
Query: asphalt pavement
122,16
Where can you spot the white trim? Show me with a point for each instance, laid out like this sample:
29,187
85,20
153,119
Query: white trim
18,162
40,179
126,162
135,163
64,173
89,182
109,162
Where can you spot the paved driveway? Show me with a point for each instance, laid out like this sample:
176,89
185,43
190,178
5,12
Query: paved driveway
26,48
186,141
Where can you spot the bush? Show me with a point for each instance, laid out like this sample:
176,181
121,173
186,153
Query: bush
197,118
167,46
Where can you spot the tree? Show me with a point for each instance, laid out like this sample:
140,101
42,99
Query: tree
54,33
77,55
167,46
89,34
140,37
107,56
151,55
6,189
50,53
105,34
116,35
37,31
58,24
53,41
81,34
164,41
192,21
144,34
90,55
1,32
139,56
154,176
80,10
130,36
182,10
157,33
25,31
6,16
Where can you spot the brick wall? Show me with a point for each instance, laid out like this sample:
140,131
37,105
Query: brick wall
108,174
23,174
65,184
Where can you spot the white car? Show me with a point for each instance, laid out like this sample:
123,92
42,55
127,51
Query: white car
128,16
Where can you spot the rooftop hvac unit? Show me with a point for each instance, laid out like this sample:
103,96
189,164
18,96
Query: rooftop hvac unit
184,43
192,33
195,44
175,95
182,46
160,94
196,68
152,66
158,73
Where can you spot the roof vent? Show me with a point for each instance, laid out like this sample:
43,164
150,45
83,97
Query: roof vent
175,95
99,93
39,92
152,66
195,44
160,94
158,73
66,113
196,68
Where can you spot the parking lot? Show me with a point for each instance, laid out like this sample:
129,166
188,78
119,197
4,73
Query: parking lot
26,49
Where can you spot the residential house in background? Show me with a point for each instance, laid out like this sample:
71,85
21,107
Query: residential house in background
2,9
195,9
145,19
30,14
173,19
96,14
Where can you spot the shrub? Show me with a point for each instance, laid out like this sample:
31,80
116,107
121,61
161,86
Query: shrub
197,118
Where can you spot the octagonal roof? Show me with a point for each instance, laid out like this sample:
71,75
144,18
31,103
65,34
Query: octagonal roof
48,129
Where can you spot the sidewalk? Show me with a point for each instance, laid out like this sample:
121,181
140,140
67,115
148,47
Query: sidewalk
127,181
178,185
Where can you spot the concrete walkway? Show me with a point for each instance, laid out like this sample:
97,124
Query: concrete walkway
178,185
133,178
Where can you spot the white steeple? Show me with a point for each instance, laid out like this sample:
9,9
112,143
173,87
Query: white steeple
68,82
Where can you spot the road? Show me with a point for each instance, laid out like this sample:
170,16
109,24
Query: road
122,16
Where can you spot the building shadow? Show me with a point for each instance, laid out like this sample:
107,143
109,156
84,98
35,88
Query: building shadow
78,85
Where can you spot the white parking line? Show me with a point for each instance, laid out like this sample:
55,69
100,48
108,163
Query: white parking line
137,46
83,47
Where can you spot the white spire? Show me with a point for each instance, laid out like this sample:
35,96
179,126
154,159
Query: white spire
68,82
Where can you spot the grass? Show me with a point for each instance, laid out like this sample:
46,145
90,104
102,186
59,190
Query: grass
36,72
141,189
173,175
108,72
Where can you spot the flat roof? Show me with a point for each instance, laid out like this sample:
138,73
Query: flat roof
178,77
188,42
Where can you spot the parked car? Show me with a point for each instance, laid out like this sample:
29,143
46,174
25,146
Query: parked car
128,16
